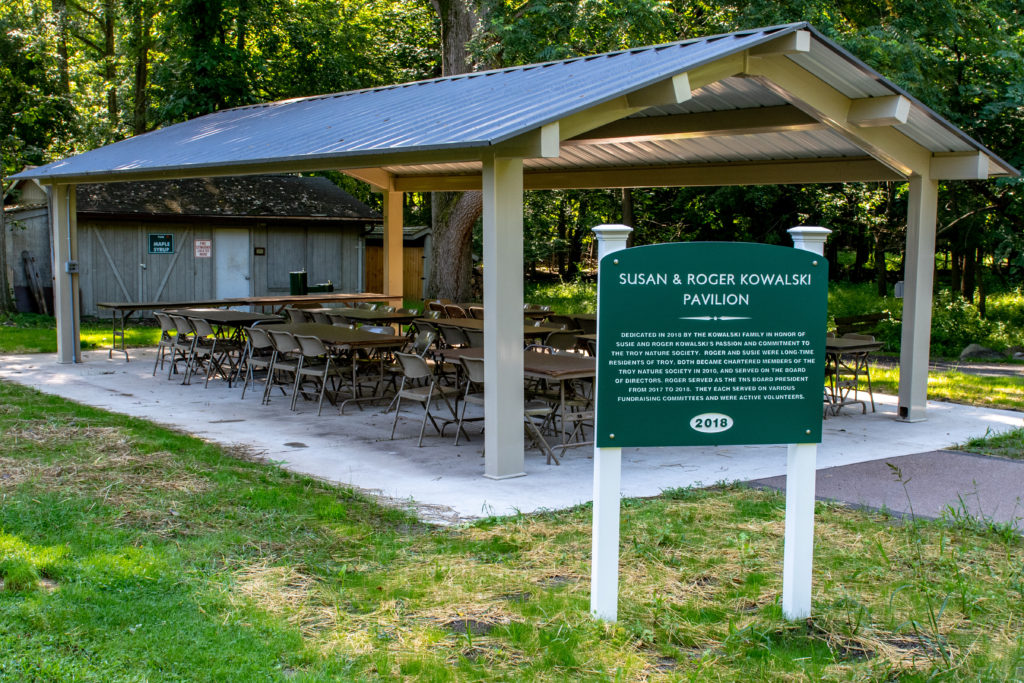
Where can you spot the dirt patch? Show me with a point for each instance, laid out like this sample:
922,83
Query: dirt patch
556,580
473,627
105,463
288,592
516,596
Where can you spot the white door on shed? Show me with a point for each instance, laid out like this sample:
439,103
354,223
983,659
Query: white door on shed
231,260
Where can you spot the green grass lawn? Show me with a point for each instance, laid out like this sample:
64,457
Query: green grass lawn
29,333
958,387
129,552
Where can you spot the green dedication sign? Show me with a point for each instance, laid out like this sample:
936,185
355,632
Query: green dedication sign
710,343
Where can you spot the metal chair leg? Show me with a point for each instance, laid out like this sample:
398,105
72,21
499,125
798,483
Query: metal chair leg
426,414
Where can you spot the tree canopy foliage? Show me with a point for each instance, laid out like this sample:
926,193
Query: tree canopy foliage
77,74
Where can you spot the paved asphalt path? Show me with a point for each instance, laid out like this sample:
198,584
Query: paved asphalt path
968,367
929,485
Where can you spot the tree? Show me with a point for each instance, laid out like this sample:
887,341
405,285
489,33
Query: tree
454,213
33,110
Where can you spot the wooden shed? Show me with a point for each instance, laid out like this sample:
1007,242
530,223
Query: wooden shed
221,237
415,260
27,215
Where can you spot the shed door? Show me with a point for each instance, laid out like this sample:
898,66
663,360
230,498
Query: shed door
231,260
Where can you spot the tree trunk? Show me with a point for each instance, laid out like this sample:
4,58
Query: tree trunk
880,272
142,25
561,229
576,238
627,214
110,61
980,271
60,8
861,258
955,271
458,21
967,289
453,214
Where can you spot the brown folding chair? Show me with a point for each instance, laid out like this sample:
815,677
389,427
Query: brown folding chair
181,349
316,363
339,320
563,321
454,311
283,360
452,336
562,340
474,338
476,312
212,351
166,341
416,371
259,351
474,392
296,316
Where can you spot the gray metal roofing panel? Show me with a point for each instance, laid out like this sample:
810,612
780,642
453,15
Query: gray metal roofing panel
471,110
834,69
925,131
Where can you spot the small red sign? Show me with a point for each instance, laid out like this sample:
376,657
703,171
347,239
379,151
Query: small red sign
204,248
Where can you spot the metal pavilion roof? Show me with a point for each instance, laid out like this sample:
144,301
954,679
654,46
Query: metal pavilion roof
443,126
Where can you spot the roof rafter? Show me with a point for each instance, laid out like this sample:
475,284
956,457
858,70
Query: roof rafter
826,104
797,171
786,118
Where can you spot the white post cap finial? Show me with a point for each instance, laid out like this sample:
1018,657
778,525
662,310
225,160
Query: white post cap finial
610,238
810,238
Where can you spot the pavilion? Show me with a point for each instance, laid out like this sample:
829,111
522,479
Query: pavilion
773,105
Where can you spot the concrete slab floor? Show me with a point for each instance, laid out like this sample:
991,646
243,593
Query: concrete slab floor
446,482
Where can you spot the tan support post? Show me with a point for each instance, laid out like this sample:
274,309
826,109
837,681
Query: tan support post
66,304
503,301
917,298
393,226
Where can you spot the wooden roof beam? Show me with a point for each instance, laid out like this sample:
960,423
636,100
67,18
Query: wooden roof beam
785,118
823,102
879,111
960,166
797,171
377,178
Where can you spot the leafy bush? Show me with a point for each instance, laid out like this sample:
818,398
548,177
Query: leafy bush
956,323
1007,307
563,297
845,299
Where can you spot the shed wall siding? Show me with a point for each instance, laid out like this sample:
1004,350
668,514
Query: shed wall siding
412,271
116,273
29,230
325,254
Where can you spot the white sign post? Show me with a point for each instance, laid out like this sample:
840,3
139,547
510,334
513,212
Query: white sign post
604,570
656,264
801,472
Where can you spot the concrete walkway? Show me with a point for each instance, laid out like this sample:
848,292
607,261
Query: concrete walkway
445,482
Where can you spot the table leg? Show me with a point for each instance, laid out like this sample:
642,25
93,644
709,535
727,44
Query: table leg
116,334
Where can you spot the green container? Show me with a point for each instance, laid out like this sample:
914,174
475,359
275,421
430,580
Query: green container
297,283
321,287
